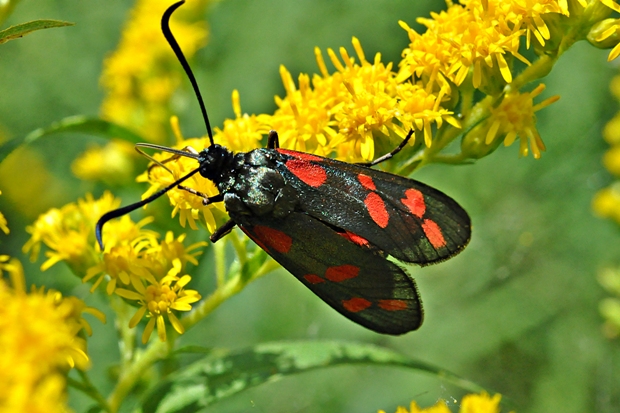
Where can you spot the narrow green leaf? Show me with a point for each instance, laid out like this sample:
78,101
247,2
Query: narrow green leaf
75,124
20,30
217,377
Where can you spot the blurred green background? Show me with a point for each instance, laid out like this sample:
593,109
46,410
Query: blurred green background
516,312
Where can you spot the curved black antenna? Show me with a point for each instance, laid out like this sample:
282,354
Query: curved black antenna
165,28
127,209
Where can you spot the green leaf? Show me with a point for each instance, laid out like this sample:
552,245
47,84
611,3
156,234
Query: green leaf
222,375
23,29
75,124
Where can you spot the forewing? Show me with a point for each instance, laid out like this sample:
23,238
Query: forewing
409,220
355,279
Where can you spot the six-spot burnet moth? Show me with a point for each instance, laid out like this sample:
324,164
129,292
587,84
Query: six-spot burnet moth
333,225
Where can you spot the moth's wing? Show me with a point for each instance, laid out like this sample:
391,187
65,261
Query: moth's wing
409,220
357,280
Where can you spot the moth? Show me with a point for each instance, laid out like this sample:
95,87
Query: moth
338,227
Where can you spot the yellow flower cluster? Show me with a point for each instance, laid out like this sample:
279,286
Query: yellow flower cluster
111,164
147,274
514,116
344,112
471,403
138,77
138,267
4,225
609,307
40,341
606,202
68,233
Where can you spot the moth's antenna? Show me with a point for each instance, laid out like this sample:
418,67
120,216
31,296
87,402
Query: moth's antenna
127,209
165,28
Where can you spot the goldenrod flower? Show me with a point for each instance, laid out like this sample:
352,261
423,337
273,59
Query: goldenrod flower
478,35
514,117
462,37
609,307
480,403
40,341
69,234
471,403
4,225
606,202
187,205
158,297
346,111
118,263
111,164
243,133
146,271
140,76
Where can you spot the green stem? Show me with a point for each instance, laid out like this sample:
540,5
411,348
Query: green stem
219,252
127,335
231,287
240,247
129,377
87,387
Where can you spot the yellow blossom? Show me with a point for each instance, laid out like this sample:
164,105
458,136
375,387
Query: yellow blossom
471,403
69,234
111,164
476,34
344,112
514,117
480,403
606,202
4,225
139,77
158,297
243,133
40,341
187,205
609,307
146,271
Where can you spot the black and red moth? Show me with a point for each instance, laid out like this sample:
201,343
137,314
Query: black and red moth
333,225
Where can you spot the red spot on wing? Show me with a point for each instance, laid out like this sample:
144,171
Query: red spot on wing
414,201
393,305
433,233
273,238
313,278
356,304
254,238
341,272
300,155
354,238
376,209
366,182
310,173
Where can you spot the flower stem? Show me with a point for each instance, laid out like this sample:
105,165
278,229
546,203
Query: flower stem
219,252
87,387
130,376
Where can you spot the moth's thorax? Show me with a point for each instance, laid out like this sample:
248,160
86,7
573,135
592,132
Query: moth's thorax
254,186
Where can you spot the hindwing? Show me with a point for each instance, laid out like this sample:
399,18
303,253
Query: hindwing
356,280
